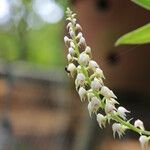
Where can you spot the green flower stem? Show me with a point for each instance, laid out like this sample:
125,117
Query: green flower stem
130,126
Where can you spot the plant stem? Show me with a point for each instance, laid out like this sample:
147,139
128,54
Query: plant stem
130,126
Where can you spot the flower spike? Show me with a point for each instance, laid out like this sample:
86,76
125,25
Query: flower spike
90,86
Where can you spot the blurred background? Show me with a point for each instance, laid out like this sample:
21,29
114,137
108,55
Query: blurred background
39,108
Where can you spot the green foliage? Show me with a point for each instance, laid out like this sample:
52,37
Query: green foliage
41,44
138,36
143,3
44,45
9,49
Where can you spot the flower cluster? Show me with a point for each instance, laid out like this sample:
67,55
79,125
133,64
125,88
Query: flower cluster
90,85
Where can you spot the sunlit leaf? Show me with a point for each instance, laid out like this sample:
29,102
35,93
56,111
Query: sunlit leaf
138,36
143,3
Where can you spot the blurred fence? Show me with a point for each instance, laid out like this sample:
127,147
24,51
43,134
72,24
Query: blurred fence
35,107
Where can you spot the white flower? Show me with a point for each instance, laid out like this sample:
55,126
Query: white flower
71,51
105,91
93,105
69,58
82,93
113,101
79,35
119,129
83,59
109,107
71,68
99,73
72,34
69,25
101,119
73,20
139,124
80,79
88,50
96,84
143,141
73,15
82,41
67,41
122,112
93,65
78,27
90,94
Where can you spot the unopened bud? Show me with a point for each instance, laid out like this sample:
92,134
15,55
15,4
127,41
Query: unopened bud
88,50
72,34
67,41
93,105
96,84
83,59
99,73
72,69
69,58
80,79
93,65
69,25
78,27
82,93
105,91
71,51
139,124
109,108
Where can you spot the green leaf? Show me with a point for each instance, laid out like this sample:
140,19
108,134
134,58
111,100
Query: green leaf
138,36
143,3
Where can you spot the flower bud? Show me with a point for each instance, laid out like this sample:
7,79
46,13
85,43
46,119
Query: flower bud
99,73
82,93
113,101
79,35
73,15
96,84
93,65
72,69
105,91
93,105
71,51
67,41
143,141
78,27
109,107
88,50
101,120
69,25
139,124
72,34
74,21
80,79
119,129
90,95
69,58
83,59
82,42
122,112
68,18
